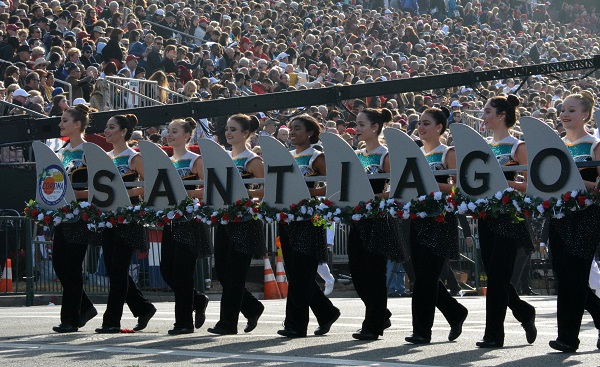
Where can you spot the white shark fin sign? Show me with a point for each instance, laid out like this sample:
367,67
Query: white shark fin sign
479,173
105,184
347,181
162,185
410,175
54,188
284,182
551,168
223,183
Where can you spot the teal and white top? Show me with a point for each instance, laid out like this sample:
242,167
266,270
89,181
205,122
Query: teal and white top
241,162
185,164
123,160
72,158
372,162
306,159
437,160
582,150
505,151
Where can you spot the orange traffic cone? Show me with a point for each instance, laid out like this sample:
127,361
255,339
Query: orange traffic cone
282,283
271,290
6,282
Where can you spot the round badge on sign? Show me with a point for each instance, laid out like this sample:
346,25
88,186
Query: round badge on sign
52,185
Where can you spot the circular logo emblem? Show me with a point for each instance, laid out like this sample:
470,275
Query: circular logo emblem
52,185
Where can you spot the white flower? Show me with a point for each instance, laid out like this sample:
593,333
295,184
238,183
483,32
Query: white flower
170,215
390,201
422,197
369,206
356,217
84,204
498,195
303,209
101,225
421,214
527,199
540,208
310,211
189,208
269,220
40,217
559,202
130,207
559,215
299,218
290,217
406,207
462,208
405,215
471,206
382,204
322,206
437,195
337,219
259,216
509,189
69,216
159,213
75,211
516,205
278,217
137,208
481,201
109,225
574,193
449,208
337,211
588,202
224,221
392,212
90,226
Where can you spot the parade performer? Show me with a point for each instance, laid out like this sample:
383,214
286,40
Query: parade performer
304,245
372,241
120,241
432,242
183,242
499,238
237,243
573,239
70,241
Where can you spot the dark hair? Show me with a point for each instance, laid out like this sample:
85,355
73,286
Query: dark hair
508,105
310,124
80,113
247,123
378,116
188,125
128,122
440,116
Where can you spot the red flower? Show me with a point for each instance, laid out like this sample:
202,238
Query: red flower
581,199
400,214
65,209
166,220
112,220
34,212
283,216
327,202
293,206
249,203
413,216
482,215
177,215
47,219
357,208
225,217
567,196
546,204
505,199
239,202
527,213
237,219
120,219
160,224
85,217
255,210
440,218
213,219
142,213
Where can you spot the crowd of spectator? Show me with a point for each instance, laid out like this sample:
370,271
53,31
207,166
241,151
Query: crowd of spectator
208,49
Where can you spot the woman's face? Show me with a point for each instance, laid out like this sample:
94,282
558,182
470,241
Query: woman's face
365,130
176,135
491,119
572,115
63,104
298,133
68,126
283,135
234,133
427,128
113,132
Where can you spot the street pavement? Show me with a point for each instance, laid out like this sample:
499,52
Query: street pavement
26,339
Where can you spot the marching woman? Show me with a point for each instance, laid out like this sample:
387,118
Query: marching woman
372,241
304,245
71,239
432,242
574,238
120,242
237,243
499,238
184,242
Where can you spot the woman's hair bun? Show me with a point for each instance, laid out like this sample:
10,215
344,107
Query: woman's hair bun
588,95
446,111
133,120
254,123
82,108
386,115
190,121
513,100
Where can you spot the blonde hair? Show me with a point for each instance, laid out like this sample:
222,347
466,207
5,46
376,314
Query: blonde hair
587,101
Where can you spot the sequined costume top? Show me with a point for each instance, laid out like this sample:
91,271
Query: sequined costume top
582,150
505,151
372,162
437,160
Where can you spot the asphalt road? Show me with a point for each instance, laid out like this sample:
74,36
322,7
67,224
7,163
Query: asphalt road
26,339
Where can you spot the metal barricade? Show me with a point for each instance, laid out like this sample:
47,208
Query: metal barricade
173,97
121,93
15,255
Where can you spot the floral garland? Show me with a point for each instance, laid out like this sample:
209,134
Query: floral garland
322,212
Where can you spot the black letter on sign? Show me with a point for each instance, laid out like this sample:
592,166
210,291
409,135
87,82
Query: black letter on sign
100,187
411,167
279,170
485,177
345,181
536,179
213,182
162,179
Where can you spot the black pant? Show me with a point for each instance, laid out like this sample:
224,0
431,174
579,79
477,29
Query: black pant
177,267
520,276
448,276
574,293
303,290
67,259
498,255
232,267
429,291
368,275
117,259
